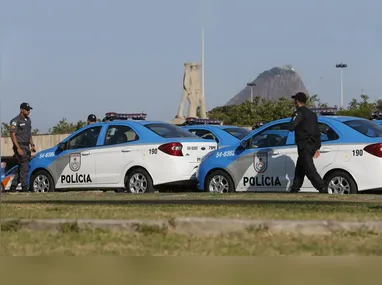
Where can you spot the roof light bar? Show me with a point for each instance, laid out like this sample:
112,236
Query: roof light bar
197,121
324,111
110,116
375,115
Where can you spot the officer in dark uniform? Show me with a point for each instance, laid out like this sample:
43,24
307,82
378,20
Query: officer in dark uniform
308,140
21,135
92,119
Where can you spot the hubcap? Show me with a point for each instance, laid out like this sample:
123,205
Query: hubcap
339,185
138,183
41,184
218,184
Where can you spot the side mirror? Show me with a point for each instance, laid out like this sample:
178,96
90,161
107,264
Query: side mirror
61,146
243,144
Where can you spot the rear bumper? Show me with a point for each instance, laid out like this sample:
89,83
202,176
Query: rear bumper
180,172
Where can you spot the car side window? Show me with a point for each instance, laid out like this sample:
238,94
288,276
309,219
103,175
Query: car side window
120,134
204,134
273,136
327,133
85,139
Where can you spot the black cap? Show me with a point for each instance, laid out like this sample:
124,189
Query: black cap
92,118
300,96
25,106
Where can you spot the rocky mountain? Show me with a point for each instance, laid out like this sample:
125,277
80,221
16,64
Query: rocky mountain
271,85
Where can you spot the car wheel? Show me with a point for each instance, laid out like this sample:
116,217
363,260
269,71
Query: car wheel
42,182
139,181
340,182
219,181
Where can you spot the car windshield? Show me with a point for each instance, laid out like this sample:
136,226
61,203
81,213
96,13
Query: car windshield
367,128
170,131
238,133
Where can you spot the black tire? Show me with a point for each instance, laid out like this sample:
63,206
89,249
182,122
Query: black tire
2,188
222,174
45,175
144,175
347,181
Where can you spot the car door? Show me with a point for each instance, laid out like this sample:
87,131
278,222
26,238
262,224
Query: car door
117,152
78,161
204,133
329,150
262,165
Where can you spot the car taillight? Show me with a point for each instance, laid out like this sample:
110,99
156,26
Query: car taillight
374,149
173,148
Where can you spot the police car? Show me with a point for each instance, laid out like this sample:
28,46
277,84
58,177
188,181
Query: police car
215,130
6,177
264,161
123,152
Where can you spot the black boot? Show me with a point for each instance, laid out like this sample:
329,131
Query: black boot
13,188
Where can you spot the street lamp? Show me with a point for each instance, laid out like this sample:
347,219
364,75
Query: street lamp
251,84
342,66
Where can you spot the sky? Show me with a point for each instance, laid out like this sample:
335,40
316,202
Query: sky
75,57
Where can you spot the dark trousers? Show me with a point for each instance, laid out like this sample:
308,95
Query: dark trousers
305,167
23,166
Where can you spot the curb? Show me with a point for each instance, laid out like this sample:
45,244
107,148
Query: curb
195,226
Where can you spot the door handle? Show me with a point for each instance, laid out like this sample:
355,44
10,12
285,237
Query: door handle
85,153
325,150
126,150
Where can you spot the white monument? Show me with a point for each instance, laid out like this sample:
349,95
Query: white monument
192,92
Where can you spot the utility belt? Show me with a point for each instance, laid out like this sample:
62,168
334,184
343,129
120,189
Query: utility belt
24,143
306,140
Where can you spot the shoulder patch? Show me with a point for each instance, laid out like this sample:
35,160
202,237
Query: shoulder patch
14,123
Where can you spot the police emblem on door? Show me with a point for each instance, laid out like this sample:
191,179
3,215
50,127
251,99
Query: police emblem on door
75,161
260,162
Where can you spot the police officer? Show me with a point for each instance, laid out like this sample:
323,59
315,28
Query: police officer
308,139
92,119
21,135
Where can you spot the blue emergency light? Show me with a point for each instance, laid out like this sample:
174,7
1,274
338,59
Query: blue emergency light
324,111
197,121
110,116
375,115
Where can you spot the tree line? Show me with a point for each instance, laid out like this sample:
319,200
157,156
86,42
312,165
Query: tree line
262,110
245,114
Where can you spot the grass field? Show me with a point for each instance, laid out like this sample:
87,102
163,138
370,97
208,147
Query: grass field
166,206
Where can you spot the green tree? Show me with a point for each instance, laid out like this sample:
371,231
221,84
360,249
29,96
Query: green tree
361,108
63,127
4,130
262,110
35,132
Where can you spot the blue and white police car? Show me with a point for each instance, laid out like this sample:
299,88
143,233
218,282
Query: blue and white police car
264,161
124,152
7,176
224,135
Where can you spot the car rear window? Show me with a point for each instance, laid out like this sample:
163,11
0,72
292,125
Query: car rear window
170,131
367,128
238,133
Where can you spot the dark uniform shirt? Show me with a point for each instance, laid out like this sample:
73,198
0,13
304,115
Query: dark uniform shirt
305,125
23,129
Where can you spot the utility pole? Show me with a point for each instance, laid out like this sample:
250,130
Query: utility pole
251,84
341,66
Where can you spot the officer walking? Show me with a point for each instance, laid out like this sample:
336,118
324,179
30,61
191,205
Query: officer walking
21,135
308,140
